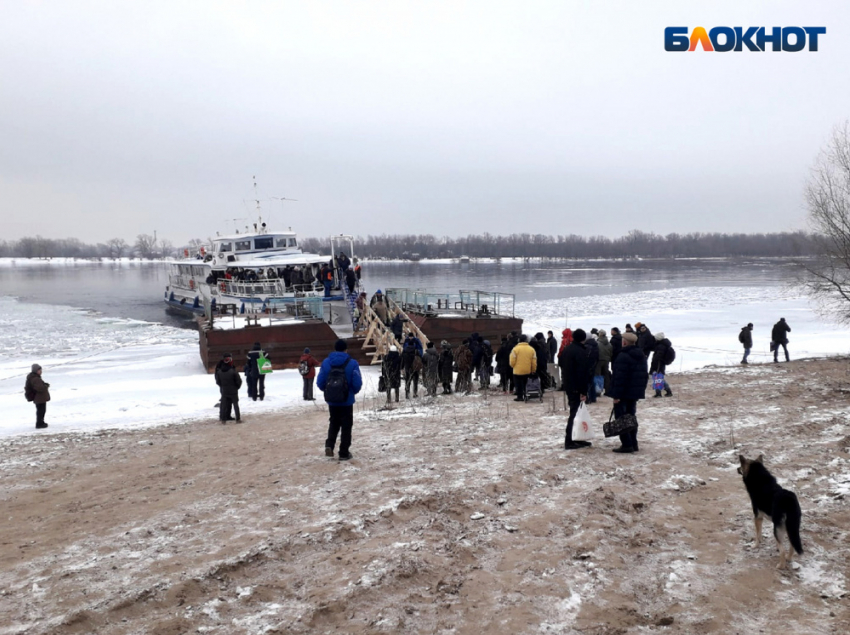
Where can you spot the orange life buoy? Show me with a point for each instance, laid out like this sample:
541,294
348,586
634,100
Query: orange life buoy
192,283
223,287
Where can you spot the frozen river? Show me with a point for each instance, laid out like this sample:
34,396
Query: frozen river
114,358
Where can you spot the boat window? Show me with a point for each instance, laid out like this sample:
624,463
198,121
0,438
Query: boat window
292,242
280,242
185,269
243,245
225,247
266,242
197,271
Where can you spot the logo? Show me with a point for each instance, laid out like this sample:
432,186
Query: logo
723,39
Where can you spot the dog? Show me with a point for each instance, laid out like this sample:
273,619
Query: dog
769,499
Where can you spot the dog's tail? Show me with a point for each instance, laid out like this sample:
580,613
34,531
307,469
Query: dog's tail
790,507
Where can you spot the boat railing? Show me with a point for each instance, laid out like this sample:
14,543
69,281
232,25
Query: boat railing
463,303
262,288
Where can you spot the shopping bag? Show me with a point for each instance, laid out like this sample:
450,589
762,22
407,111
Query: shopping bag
583,426
616,427
264,365
772,346
658,381
599,380
382,384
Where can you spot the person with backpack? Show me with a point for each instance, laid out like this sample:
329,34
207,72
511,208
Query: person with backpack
36,391
746,339
662,356
779,337
307,369
254,378
229,382
339,379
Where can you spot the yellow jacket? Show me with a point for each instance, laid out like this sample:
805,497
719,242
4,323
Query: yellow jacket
523,359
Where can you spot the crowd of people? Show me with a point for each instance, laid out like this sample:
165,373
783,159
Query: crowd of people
585,366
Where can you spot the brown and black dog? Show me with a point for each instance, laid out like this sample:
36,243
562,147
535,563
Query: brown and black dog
769,499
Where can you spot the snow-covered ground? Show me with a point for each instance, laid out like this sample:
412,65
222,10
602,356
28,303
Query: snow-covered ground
110,372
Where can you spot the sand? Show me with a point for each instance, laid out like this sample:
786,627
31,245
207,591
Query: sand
464,515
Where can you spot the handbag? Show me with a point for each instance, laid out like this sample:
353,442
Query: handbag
382,384
772,346
264,365
616,427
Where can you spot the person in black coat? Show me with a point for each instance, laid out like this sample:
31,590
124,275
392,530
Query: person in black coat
646,340
552,343
255,379
229,382
446,367
592,360
397,328
575,371
391,370
542,350
779,337
658,365
628,385
503,363
746,338
616,343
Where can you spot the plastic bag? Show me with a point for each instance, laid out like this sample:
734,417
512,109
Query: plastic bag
583,429
658,381
264,365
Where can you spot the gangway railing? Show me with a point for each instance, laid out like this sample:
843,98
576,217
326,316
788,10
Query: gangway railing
465,303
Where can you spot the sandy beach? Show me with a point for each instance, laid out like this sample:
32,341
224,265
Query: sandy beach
461,515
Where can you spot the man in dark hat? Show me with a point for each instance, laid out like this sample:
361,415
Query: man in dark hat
339,378
36,391
576,377
229,382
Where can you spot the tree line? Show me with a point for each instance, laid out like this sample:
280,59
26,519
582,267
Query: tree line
635,244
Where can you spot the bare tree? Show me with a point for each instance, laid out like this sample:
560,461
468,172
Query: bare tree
828,202
145,246
116,247
166,248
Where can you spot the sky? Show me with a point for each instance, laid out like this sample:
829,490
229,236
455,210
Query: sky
447,118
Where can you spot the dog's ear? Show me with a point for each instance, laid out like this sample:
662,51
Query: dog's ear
760,459
742,460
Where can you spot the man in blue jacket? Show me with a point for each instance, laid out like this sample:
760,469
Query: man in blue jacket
339,378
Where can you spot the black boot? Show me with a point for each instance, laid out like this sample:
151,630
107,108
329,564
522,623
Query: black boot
657,393
668,393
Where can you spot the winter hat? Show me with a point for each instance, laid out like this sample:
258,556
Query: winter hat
378,291
486,342
36,368
579,335
430,345
614,329
257,346
602,332
393,349
659,336
631,338
594,331
523,338
340,345
750,325
227,356
306,351
444,344
539,336
637,325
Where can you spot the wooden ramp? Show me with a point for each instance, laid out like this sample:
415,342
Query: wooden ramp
377,336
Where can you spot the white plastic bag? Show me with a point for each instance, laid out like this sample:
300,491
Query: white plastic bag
583,429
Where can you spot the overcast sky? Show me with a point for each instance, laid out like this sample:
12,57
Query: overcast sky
119,118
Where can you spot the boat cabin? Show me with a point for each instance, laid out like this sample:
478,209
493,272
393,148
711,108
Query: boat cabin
239,247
